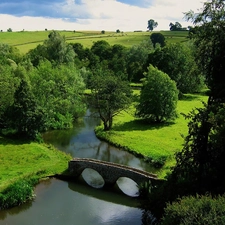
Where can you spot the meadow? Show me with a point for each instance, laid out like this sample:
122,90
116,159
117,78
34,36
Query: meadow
26,40
156,142
21,160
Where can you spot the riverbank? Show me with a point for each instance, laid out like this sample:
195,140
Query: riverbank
156,143
23,164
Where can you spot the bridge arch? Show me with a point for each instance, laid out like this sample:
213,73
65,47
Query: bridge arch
111,172
93,178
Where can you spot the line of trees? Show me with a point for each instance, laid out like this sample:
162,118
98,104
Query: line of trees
51,78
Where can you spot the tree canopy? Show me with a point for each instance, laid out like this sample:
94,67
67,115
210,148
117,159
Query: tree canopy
200,165
110,96
158,98
152,24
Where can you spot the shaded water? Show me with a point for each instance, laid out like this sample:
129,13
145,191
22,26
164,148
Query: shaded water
65,203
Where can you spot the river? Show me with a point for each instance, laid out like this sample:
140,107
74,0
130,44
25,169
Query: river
65,203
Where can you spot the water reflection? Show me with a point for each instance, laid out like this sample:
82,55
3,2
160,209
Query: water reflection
57,204
81,142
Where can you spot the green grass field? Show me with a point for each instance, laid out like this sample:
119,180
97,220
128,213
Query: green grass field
19,160
153,141
26,40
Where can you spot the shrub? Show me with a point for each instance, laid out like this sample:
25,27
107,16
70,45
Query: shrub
17,193
199,210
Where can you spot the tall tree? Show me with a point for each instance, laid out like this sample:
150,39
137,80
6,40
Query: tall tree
158,98
110,95
152,24
200,165
24,115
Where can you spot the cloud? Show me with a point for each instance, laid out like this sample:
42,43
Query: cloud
126,15
140,3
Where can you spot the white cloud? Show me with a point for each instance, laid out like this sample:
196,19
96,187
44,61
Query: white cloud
107,15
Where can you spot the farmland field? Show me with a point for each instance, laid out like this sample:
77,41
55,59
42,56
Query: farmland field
26,40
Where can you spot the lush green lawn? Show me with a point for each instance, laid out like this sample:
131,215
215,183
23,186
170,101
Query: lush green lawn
153,141
19,160
26,40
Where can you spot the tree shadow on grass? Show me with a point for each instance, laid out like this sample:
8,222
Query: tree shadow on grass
141,125
191,97
13,140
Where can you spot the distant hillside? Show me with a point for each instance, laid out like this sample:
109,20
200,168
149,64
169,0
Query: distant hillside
26,40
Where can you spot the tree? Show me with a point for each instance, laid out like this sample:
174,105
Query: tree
177,60
102,49
152,24
24,115
175,27
136,58
157,38
58,92
8,85
54,49
9,30
200,165
158,98
110,96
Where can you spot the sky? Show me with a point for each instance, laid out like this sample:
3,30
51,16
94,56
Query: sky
108,15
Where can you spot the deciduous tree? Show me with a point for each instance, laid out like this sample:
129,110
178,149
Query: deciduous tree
152,24
158,98
110,96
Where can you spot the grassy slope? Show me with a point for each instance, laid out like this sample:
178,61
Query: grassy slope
154,141
26,40
19,160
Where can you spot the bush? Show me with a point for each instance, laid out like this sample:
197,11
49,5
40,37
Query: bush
17,193
199,210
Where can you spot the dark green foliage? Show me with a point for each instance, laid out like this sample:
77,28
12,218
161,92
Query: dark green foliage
54,49
157,38
110,96
158,98
136,58
177,60
152,24
7,53
199,210
175,27
24,115
8,85
102,49
200,165
58,92
17,193
208,37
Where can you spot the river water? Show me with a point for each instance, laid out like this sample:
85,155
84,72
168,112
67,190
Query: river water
65,203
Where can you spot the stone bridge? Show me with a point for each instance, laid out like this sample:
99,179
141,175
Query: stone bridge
111,172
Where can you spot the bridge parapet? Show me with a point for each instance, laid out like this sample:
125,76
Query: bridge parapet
111,172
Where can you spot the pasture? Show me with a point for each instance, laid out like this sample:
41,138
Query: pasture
26,40
157,142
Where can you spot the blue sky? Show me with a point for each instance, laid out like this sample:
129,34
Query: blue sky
126,15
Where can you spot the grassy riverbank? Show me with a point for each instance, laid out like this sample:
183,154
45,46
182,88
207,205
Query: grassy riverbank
156,143
22,164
